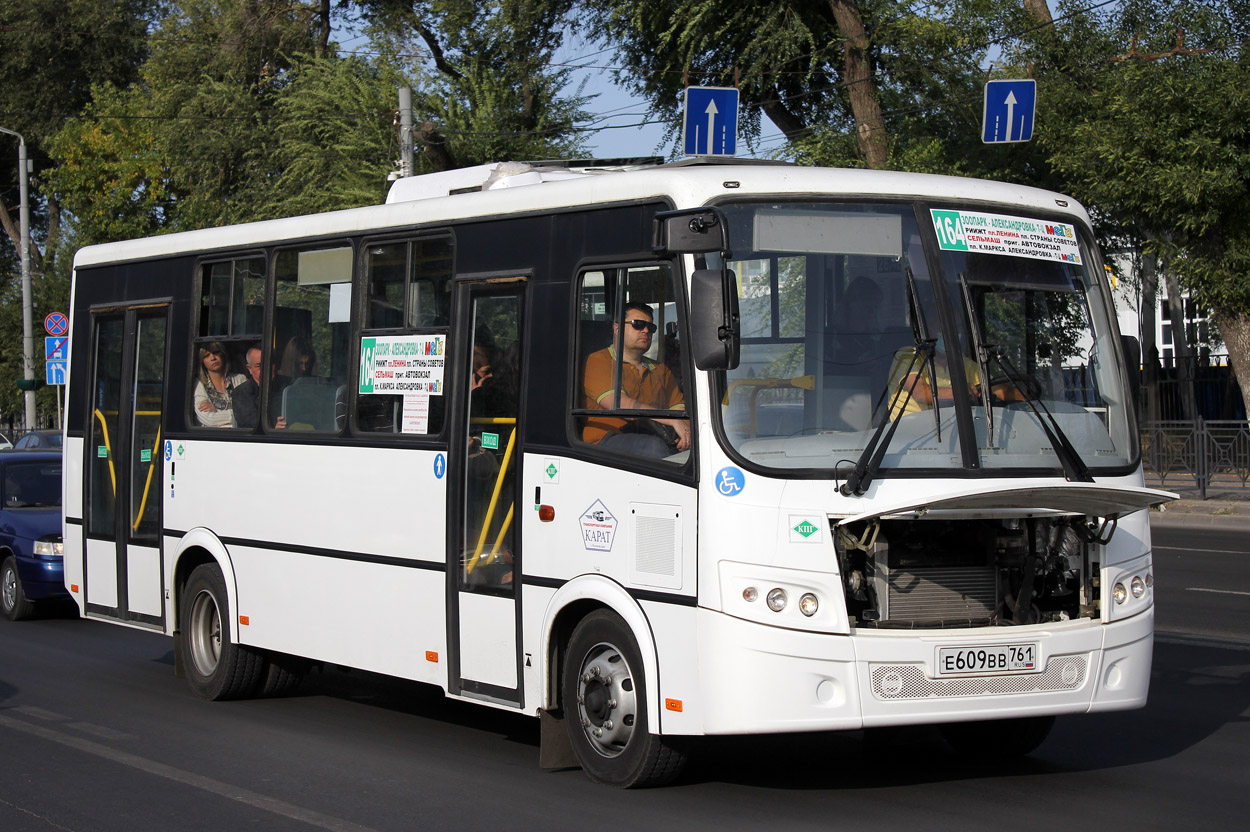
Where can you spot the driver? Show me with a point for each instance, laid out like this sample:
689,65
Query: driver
645,385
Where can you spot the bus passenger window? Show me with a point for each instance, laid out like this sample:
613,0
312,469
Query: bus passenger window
629,355
408,304
232,314
311,327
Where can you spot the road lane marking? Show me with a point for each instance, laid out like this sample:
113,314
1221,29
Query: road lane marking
208,784
1203,551
40,713
1217,591
99,730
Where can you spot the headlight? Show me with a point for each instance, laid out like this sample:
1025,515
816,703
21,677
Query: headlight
1119,593
49,547
776,599
808,604
1138,586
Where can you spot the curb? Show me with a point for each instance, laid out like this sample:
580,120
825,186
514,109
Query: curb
1184,520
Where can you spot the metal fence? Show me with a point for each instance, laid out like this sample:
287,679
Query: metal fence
1206,450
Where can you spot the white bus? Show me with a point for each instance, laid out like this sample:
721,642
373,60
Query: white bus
699,449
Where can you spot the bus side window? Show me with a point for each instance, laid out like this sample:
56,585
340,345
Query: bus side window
232,314
408,296
311,327
629,359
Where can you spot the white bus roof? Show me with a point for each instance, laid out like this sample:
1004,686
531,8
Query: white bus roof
441,198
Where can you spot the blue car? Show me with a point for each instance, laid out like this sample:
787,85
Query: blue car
31,564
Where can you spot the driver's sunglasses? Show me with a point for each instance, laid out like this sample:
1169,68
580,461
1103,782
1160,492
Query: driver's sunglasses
640,325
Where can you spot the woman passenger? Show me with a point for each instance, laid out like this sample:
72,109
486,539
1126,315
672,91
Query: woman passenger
215,386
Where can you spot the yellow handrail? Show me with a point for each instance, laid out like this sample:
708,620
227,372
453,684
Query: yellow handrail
108,449
143,504
472,562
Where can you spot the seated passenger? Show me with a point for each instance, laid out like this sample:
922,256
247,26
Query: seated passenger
645,385
247,395
214,387
921,395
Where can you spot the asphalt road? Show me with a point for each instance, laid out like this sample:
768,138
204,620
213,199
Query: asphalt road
96,733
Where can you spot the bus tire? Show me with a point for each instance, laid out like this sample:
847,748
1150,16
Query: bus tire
605,707
217,668
13,601
283,674
997,738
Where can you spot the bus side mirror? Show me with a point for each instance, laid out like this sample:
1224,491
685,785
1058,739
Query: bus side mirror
1131,347
690,231
714,329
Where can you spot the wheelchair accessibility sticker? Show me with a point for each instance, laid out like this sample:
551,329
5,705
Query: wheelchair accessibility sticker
730,481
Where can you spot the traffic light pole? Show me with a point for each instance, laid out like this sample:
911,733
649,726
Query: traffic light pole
28,335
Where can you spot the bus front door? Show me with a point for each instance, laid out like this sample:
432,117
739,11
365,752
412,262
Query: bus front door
123,576
484,551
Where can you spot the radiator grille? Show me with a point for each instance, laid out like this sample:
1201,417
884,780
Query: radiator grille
908,681
937,593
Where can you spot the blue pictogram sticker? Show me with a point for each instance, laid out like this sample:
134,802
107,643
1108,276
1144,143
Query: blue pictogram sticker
440,466
169,449
730,481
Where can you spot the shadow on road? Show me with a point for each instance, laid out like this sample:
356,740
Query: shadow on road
1196,689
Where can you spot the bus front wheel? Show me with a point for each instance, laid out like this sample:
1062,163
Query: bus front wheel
605,707
216,667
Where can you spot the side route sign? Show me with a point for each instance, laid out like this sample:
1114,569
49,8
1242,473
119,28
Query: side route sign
711,123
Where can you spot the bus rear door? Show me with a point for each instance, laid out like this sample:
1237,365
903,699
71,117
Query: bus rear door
123,470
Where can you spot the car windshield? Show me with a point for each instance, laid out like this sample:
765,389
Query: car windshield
844,327
29,484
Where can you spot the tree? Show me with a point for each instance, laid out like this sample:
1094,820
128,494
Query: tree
849,82
1153,133
485,90
51,53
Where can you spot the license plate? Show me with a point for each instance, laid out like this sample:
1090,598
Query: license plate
999,658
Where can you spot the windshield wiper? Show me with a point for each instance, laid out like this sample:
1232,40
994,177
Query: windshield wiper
869,461
1074,468
983,359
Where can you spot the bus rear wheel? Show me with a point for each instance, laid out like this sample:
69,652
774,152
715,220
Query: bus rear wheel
605,707
216,667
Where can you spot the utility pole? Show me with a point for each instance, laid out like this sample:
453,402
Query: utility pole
28,335
405,131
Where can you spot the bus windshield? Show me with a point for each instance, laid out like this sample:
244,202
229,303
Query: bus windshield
1002,355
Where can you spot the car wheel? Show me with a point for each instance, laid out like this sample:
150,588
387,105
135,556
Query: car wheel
605,707
216,667
13,601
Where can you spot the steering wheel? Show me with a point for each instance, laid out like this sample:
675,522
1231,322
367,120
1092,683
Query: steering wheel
665,432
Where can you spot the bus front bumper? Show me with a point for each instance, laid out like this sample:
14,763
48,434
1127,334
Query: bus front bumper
761,679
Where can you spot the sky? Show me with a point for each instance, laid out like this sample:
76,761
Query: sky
623,126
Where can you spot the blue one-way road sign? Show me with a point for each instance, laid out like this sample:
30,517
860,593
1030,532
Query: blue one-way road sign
1009,108
711,126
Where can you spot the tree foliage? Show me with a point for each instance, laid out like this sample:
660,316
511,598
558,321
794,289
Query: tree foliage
1151,128
790,64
